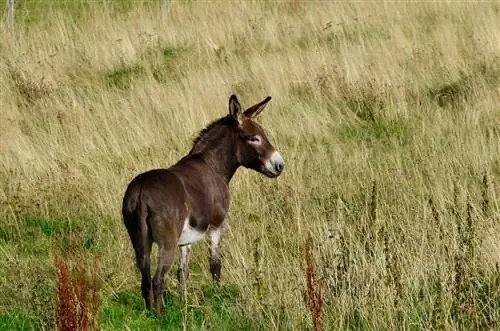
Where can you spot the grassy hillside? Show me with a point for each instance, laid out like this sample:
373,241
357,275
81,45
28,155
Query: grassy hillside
387,116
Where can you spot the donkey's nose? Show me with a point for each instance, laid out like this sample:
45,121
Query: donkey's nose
278,163
274,165
278,166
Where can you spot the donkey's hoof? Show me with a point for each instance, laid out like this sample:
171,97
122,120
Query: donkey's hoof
158,311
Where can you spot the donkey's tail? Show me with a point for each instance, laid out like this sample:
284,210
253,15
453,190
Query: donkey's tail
135,214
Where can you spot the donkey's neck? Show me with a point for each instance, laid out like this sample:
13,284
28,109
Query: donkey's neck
221,160
217,149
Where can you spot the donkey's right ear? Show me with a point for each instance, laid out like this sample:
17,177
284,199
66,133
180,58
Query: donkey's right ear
235,108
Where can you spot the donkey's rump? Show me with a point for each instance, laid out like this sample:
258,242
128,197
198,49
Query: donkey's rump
160,192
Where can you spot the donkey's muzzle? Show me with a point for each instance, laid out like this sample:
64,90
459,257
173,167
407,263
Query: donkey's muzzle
278,166
274,165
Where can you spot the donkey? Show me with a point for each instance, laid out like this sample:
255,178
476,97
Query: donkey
174,207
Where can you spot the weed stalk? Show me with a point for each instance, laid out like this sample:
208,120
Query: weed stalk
77,304
314,293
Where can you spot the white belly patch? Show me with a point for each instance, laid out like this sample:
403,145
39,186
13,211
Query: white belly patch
189,234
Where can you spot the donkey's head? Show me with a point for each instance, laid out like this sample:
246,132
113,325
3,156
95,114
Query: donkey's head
253,149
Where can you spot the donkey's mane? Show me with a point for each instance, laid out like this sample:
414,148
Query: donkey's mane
225,121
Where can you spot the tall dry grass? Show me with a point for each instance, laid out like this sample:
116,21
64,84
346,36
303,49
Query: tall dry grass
404,95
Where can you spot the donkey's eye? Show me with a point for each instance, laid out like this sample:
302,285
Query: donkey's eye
254,139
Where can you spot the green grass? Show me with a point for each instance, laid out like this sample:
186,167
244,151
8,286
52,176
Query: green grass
32,11
122,77
157,61
37,235
378,132
16,320
215,310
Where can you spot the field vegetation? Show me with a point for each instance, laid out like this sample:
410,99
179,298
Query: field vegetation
387,115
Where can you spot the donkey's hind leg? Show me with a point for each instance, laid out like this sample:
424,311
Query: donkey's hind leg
144,262
166,255
142,242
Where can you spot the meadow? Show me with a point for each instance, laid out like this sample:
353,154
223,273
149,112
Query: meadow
387,115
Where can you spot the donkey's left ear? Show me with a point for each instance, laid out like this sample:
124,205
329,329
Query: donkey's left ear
256,109
235,108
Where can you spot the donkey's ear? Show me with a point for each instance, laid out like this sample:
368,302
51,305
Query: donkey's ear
256,109
235,107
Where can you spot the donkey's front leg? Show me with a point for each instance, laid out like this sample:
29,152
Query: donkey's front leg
183,272
215,252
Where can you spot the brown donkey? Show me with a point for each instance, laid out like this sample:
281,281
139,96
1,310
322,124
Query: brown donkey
176,206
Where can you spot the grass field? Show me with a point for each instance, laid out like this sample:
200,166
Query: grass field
387,116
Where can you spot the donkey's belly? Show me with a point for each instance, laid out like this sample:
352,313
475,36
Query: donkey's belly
189,234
